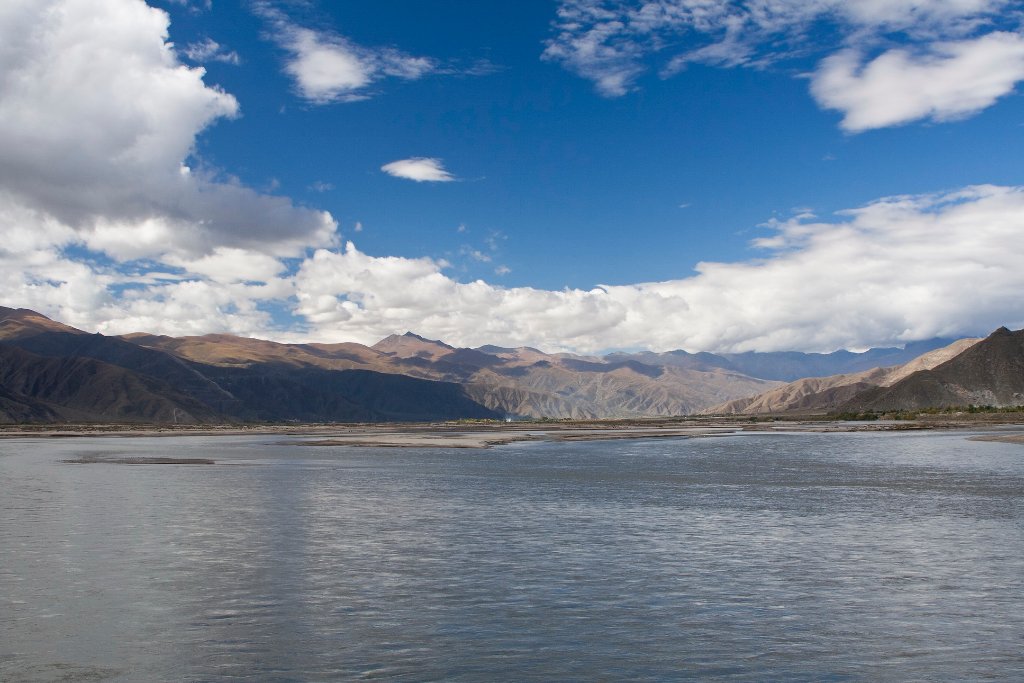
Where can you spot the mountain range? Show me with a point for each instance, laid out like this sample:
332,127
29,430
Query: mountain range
50,372
982,372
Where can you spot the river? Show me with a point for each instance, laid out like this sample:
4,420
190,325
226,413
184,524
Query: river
799,557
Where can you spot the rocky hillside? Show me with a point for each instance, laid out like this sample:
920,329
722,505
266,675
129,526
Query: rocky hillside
49,372
825,394
788,366
518,382
989,373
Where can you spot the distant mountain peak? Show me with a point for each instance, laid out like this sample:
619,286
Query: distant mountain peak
23,322
413,335
411,345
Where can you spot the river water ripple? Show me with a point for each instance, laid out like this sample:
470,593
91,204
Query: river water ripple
801,557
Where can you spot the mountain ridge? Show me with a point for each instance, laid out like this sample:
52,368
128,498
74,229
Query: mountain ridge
824,394
411,377
49,374
989,373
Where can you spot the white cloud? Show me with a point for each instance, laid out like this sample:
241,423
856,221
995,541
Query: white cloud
227,264
103,226
97,119
613,43
189,307
420,169
475,254
899,269
327,67
325,71
952,81
209,50
195,6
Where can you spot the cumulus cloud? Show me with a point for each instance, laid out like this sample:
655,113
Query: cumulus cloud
613,42
951,81
97,121
899,269
420,169
327,67
226,264
104,225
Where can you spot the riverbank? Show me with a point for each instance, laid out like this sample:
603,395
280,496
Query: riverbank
473,434
1001,438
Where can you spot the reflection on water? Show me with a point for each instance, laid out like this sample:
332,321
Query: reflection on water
798,557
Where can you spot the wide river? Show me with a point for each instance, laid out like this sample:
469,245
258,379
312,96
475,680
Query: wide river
797,557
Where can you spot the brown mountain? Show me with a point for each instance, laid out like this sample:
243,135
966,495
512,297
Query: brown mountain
402,377
39,388
411,345
518,382
990,372
789,366
824,394
21,322
49,372
16,408
567,388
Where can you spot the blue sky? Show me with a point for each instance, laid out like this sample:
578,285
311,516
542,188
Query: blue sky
573,175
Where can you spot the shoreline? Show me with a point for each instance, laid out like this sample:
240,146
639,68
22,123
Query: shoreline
485,435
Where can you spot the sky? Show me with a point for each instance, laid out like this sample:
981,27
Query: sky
581,175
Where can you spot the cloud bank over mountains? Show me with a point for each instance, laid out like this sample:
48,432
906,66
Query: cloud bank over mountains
951,61
109,223
899,269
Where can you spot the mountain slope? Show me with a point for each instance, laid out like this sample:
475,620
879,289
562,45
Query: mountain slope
515,382
15,408
788,366
22,322
824,394
78,388
402,377
552,389
411,345
51,372
989,373
269,392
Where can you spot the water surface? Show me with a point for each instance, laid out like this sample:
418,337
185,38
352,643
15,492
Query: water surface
753,557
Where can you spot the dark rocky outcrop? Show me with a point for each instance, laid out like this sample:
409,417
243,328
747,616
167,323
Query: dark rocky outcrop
990,373
828,394
78,388
50,372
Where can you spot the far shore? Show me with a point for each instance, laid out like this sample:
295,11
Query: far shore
484,434
1002,438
